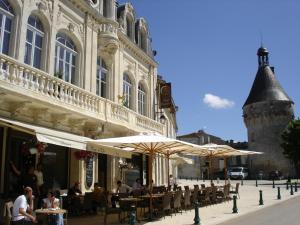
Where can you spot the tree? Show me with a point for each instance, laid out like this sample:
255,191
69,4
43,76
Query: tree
291,143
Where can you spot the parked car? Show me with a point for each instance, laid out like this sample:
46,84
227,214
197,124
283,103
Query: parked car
238,173
275,175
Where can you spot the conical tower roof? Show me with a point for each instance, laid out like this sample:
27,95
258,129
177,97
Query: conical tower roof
265,86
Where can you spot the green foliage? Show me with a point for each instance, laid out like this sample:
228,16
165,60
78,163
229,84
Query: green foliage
291,142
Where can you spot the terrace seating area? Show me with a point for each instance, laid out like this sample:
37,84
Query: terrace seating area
165,202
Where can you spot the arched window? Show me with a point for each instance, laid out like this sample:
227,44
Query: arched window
65,58
6,18
142,100
127,91
34,42
101,82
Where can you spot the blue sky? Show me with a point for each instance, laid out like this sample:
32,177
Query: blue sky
208,48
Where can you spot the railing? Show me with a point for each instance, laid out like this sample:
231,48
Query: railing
50,87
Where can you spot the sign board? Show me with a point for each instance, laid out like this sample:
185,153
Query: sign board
165,95
89,166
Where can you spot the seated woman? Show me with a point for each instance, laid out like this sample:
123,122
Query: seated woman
52,202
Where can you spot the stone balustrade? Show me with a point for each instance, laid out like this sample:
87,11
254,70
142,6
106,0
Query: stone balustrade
38,82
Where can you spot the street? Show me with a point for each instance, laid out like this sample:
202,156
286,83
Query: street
285,213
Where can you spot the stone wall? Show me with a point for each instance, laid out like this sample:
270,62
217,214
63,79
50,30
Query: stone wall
265,122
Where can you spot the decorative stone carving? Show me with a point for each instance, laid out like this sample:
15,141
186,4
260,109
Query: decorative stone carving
71,27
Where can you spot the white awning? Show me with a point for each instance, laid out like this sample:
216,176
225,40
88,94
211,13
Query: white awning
65,139
48,135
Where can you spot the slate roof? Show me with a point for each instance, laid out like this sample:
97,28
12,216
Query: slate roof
266,87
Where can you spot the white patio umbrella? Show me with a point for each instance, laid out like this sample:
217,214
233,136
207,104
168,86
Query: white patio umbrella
181,159
149,144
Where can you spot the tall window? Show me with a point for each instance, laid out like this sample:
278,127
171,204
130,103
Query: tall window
34,42
143,41
6,17
141,100
129,27
127,90
102,74
65,58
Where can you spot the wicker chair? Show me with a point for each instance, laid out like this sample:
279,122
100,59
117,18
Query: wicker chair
109,210
177,202
187,199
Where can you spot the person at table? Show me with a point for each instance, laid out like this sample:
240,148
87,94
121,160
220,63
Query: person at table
22,209
137,184
97,197
75,190
53,203
123,188
75,205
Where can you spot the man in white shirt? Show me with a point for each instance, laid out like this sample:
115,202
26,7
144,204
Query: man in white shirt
123,188
22,210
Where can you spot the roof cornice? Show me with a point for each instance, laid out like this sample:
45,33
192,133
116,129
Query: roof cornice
128,43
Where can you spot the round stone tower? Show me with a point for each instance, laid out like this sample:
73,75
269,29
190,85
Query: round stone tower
267,111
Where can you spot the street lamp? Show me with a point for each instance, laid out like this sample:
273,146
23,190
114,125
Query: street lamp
162,119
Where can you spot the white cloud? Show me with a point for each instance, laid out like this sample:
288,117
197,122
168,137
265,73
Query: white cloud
217,102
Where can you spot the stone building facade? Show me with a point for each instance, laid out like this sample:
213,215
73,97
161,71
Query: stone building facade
81,67
267,111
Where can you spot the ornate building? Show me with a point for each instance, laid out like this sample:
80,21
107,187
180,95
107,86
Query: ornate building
71,69
267,111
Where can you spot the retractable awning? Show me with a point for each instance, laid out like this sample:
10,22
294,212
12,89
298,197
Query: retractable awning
61,138
48,135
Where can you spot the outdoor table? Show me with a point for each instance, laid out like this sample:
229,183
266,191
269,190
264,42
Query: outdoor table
131,201
51,211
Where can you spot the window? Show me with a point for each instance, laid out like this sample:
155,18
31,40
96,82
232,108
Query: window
65,58
102,74
143,41
141,100
127,90
129,27
34,42
6,17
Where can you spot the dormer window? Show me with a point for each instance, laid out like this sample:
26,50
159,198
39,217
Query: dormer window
129,30
143,40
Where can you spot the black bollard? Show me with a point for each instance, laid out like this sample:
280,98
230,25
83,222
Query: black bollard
278,193
261,201
197,217
242,181
234,208
132,216
296,188
256,183
273,183
287,185
292,191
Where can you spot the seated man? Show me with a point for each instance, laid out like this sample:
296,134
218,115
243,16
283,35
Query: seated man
52,202
97,197
123,188
22,211
74,202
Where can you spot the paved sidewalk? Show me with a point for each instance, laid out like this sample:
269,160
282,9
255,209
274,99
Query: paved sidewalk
214,214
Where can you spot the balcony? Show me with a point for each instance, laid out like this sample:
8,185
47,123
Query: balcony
108,37
24,89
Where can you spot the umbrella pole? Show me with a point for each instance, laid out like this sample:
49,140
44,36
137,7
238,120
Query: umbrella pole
150,182
225,169
168,169
210,168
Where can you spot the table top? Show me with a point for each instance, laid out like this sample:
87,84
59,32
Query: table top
51,211
130,199
153,195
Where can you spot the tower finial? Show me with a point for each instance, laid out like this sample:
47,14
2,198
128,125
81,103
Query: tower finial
261,39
